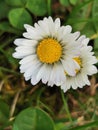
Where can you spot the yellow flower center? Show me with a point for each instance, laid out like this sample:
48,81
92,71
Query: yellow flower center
49,50
78,60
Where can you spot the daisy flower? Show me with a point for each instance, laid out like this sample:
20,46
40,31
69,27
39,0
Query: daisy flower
47,51
86,61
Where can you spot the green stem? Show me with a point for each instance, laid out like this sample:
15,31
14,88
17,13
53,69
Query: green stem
49,7
39,95
45,106
66,106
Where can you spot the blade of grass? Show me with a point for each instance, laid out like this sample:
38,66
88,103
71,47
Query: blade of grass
49,7
8,70
83,127
45,106
66,106
78,7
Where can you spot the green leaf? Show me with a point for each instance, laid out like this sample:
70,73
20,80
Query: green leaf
65,2
5,27
16,2
4,113
33,119
37,7
95,13
18,17
4,9
73,2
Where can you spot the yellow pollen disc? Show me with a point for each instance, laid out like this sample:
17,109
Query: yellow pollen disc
78,60
49,50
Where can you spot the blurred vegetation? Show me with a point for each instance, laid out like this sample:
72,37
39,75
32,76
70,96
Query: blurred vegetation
27,107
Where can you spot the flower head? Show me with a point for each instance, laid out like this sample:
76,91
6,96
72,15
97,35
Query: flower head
47,52
86,61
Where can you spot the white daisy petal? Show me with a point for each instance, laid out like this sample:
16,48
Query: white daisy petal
51,27
21,52
32,35
26,49
30,64
94,60
92,70
42,75
60,34
85,41
77,82
27,59
20,55
40,30
81,38
85,79
25,42
69,67
57,24
24,67
73,84
29,27
19,41
34,80
71,37
57,75
31,71
67,29
76,35
43,26
66,86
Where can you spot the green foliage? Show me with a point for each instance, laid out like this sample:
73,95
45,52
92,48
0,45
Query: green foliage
95,14
59,126
68,2
12,61
18,17
95,22
82,15
6,27
64,2
4,9
33,119
37,7
73,1
4,113
14,2
87,29
93,124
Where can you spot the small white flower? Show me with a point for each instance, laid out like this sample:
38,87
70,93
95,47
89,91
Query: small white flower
47,51
86,60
